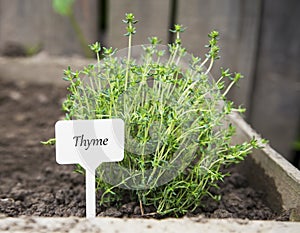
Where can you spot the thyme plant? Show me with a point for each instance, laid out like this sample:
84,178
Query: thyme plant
177,137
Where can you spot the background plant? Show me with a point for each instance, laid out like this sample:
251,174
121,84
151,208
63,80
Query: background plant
65,8
177,137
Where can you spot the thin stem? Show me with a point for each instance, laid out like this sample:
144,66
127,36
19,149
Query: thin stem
128,58
210,66
228,89
80,35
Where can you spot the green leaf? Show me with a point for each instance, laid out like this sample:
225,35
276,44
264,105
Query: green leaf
63,7
51,141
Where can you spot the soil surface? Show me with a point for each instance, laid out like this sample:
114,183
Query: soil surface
32,183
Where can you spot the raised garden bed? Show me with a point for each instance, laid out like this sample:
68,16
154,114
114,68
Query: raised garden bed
264,187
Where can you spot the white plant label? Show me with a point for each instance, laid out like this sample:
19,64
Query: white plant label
89,143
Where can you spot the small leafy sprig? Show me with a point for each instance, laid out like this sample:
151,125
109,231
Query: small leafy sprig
131,30
174,126
130,21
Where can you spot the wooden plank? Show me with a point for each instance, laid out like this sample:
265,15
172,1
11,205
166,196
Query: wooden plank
276,98
60,37
40,68
28,224
33,22
58,34
153,19
18,24
237,21
269,171
87,13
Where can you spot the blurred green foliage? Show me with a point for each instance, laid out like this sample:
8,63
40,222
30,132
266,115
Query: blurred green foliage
63,7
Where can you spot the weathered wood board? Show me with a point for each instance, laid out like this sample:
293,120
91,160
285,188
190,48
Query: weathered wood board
153,19
267,170
275,110
33,23
237,21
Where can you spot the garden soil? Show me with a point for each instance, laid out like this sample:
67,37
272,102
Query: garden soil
33,184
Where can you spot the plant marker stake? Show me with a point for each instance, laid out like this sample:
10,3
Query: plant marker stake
89,143
90,194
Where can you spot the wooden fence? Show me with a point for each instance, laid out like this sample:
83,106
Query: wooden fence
260,38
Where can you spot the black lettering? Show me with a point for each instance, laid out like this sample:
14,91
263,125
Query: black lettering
105,141
98,142
76,138
87,143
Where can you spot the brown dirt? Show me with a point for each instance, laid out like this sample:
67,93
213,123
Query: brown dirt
32,183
